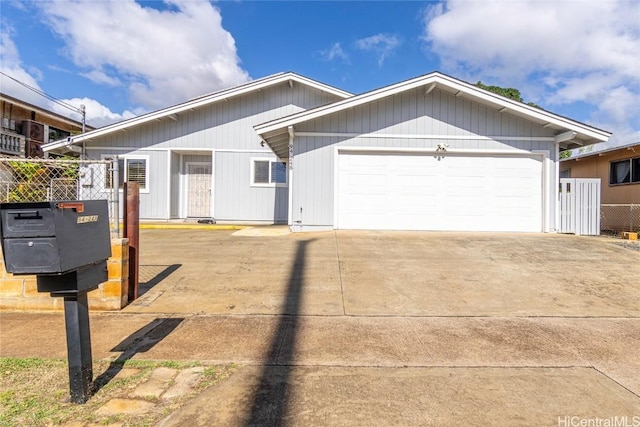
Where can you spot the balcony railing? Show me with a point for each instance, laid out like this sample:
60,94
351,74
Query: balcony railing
11,143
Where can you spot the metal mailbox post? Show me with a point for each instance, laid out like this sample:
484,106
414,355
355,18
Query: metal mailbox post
66,245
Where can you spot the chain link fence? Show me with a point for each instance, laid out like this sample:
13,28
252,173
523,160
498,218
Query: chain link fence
39,180
618,218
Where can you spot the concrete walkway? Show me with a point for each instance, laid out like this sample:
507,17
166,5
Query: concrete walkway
314,370
315,324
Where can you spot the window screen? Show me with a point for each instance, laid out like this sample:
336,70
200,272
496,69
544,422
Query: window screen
261,172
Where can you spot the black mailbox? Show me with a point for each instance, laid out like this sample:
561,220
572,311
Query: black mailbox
54,237
65,243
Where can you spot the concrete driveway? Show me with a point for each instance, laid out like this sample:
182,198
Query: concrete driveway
381,328
387,274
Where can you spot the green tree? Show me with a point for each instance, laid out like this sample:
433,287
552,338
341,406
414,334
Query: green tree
29,186
565,154
508,92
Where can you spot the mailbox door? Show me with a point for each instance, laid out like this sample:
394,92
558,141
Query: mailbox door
32,255
27,220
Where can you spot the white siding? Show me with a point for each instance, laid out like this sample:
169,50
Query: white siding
175,185
225,127
234,197
411,113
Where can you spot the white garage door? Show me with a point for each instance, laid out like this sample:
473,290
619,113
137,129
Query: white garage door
449,192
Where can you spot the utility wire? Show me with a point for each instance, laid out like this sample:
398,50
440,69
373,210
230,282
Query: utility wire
41,93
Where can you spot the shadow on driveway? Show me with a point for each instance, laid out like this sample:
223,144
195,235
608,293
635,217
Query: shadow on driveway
272,394
154,274
139,342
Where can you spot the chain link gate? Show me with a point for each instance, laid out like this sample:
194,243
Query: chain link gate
41,180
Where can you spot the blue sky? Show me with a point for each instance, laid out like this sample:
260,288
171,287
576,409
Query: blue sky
121,58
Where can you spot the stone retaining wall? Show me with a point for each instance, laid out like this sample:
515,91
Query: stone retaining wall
21,293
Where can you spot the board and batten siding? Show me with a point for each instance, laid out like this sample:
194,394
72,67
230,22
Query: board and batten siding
234,197
174,210
221,125
153,199
226,128
439,114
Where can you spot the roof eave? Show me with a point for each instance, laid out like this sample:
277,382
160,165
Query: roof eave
199,102
610,150
429,82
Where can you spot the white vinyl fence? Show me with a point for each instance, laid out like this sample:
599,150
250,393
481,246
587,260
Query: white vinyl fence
580,206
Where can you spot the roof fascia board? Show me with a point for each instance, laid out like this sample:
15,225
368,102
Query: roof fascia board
512,105
631,146
201,101
354,101
426,80
320,86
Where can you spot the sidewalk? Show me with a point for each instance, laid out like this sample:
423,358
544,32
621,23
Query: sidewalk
373,371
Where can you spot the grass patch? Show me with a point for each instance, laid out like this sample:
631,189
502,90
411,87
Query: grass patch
35,392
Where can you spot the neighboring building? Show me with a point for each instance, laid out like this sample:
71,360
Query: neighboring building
26,127
202,158
430,153
619,171
617,167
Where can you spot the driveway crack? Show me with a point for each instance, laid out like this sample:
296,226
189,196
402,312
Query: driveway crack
415,334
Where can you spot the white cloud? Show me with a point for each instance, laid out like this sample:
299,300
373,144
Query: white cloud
101,77
97,114
557,53
164,57
335,52
382,44
11,65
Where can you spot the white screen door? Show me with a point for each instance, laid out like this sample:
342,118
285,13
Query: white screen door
199,190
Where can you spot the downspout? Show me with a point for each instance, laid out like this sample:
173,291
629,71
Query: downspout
556,226
290,168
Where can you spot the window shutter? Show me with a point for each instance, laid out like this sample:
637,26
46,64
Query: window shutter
137,172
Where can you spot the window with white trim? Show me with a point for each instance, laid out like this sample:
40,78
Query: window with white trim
268,173
131,169
625,171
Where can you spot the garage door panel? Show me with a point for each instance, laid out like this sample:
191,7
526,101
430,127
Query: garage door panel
406,180
360,179
418,192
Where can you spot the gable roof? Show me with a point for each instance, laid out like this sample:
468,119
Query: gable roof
222,95
275,132
596,150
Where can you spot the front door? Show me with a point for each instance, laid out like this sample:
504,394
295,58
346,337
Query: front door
199,190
